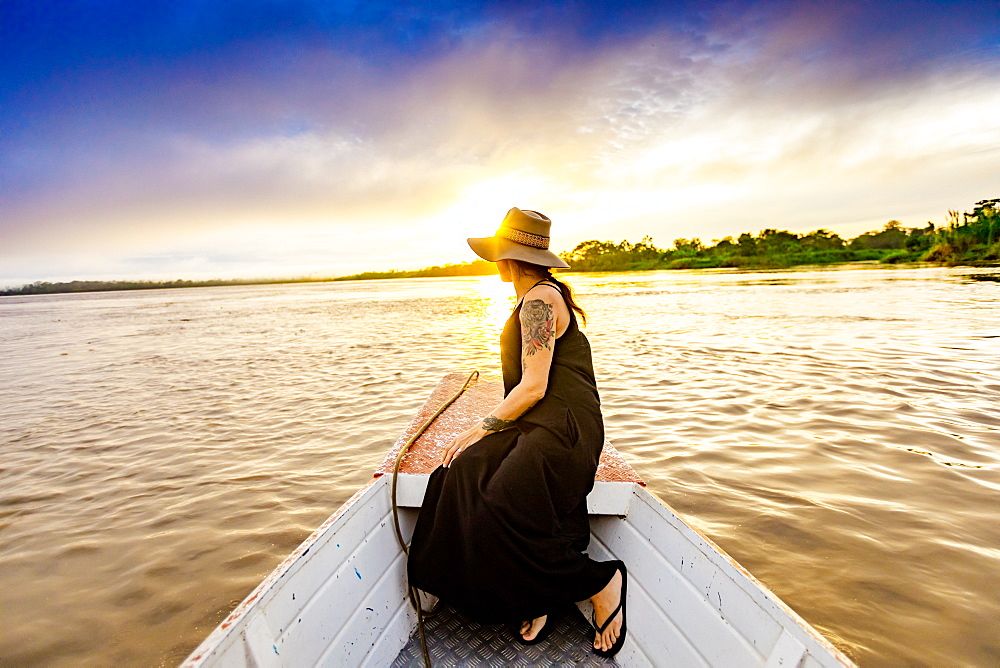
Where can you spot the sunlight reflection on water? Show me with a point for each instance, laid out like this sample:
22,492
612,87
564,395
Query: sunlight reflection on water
836,431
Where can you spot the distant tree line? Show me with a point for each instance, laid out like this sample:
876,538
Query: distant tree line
971,238
475,268
45,287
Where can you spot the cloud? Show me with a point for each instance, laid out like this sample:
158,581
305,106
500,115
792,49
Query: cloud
305,158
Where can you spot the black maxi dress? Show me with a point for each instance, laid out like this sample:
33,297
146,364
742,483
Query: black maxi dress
502,532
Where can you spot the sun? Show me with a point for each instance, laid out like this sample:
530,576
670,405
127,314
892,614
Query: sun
482,205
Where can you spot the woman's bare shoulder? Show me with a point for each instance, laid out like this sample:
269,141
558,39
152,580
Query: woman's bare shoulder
546,298
547,293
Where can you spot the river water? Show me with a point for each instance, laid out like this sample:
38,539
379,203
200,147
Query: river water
836,431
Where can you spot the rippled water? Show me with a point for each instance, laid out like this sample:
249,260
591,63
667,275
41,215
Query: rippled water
836,431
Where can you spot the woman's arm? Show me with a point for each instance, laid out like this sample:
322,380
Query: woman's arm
538,337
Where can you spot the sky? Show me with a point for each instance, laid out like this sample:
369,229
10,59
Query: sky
286,138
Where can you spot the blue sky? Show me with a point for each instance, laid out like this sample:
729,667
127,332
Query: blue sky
221,139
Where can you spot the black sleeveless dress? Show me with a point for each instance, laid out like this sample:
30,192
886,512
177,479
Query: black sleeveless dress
502,532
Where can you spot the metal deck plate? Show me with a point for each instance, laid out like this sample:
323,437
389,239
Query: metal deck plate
454,640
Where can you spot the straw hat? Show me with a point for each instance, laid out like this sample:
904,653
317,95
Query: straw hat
523,235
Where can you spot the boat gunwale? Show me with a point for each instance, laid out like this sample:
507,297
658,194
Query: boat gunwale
224,634
758,587
223,631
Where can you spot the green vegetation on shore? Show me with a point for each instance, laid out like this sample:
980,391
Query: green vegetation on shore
971,238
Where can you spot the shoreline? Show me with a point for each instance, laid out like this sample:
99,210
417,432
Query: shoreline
973,242
85,287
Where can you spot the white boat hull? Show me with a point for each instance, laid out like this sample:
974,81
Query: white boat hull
340,598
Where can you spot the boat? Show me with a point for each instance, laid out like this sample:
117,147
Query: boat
341,598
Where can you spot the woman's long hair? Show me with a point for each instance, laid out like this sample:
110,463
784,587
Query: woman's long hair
522,268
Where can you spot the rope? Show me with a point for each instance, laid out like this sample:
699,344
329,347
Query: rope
411,591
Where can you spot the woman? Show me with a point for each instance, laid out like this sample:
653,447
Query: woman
503,527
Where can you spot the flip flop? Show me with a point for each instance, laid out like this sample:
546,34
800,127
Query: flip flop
543,633
607,653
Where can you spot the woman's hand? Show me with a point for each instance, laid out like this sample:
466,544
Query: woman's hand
461,442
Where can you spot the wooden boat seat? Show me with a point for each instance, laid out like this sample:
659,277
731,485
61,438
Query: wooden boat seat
612,485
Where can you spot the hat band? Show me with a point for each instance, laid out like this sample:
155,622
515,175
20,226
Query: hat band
526,238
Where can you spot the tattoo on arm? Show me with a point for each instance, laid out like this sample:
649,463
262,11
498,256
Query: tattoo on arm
491,423
537,326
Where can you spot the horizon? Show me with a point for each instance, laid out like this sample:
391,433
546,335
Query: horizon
336,277
301,139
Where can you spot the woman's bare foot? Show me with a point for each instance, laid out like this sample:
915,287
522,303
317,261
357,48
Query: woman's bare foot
604,603
531,628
